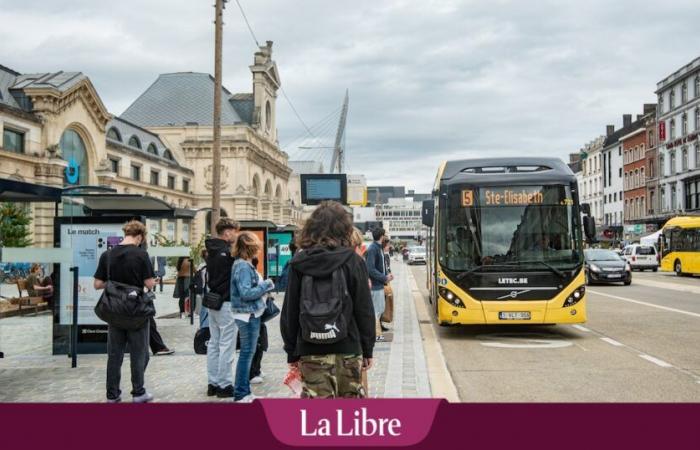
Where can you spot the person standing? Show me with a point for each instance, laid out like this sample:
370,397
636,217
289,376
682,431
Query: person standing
328,262
376,267
129,264
222,343
182,283
388,315
248,305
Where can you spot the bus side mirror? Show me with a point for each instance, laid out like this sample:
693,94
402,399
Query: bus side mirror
589,228
428,212
586,209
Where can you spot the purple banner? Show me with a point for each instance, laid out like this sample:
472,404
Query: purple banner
422,424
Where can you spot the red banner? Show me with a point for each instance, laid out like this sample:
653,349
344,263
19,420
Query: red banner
662,131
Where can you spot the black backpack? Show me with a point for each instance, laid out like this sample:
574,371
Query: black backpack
325,308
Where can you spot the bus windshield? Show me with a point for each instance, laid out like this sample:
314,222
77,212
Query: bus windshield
524,226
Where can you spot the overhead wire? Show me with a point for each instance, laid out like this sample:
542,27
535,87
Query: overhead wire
284,94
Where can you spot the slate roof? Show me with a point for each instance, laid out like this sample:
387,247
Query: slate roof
183,98
615,137
7,79
127,130
244,105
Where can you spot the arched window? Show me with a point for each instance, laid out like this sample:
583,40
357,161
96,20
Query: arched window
697,86
672,161
642,180
684,124
152,149
256,186
672,99
636,178
697,119
134,142
661,103
114,134
168,155
662,169
672,127
268,189
684,160
684,92
73,151
278,192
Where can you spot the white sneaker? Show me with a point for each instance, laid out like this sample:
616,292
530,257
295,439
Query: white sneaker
144,398
247,399
257,380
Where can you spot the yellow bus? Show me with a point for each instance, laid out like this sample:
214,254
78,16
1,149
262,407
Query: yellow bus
504,243
680,245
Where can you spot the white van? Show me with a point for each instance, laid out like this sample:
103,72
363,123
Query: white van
641,257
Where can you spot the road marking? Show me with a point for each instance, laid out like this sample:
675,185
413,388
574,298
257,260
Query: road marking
612,342
653,305
582,328
520,340
657,361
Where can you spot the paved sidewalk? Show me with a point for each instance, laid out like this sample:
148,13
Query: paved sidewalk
37,376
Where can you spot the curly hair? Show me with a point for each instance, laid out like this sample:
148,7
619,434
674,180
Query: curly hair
329,226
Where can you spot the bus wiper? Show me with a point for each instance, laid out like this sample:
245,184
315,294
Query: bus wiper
483,266
558,272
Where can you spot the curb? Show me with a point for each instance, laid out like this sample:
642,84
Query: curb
441,383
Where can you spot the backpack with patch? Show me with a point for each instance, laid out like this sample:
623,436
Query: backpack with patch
325,308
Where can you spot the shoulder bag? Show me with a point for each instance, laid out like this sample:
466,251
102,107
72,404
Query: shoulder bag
124,306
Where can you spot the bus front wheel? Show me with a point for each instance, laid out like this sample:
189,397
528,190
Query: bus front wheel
678,268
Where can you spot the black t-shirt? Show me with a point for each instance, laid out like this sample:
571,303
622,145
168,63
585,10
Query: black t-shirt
129,264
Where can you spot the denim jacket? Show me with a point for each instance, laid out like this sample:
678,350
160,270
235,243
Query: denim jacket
246,293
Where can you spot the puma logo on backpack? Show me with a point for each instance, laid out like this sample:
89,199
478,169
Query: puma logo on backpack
325,308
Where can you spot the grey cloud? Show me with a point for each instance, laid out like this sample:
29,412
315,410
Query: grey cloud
429,80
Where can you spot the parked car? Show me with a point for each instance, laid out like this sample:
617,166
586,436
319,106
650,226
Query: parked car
606,266
642,257
416,255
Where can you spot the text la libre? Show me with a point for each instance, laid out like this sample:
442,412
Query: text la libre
359,425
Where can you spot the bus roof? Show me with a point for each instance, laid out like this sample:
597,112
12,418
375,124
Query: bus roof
683,222
507,170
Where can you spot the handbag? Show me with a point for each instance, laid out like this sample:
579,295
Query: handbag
124,306
201,340
212,300
271,310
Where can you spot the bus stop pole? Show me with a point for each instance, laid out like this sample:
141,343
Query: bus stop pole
193,300
74,328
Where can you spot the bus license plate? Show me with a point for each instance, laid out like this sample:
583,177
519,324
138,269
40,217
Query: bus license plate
512,315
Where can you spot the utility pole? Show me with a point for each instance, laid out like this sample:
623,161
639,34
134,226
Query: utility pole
216,148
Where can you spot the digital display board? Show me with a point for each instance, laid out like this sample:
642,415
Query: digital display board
516,196
316,188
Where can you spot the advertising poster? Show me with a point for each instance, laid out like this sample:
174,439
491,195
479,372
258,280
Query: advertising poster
275,260
261,253
88,242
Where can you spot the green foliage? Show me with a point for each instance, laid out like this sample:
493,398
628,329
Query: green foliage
14,226
195,250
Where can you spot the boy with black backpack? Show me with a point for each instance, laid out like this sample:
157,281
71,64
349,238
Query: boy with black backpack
327,319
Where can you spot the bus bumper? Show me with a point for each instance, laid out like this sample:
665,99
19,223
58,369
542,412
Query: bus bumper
488,313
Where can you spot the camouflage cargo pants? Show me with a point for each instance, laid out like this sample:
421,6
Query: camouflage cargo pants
332,376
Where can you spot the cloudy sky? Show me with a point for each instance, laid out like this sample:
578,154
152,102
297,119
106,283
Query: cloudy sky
429,80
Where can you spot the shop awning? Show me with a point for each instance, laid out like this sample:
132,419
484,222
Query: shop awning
20,191
125,204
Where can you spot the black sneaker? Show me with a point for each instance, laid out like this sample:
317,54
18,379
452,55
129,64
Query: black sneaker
212,390
226,392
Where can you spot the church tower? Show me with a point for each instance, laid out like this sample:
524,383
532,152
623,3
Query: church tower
265,85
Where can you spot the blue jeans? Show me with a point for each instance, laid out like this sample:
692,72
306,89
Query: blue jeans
221,347
248,332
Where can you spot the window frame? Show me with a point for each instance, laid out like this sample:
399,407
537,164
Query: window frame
22,140
137,140
136,168
154,175
171,178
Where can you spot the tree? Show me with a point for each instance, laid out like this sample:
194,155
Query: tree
14,226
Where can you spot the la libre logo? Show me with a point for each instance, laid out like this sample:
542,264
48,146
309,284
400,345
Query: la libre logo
356,424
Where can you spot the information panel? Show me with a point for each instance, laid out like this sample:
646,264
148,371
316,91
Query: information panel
278,252
316,188
87,242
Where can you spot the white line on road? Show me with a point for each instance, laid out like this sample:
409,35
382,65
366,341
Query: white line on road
657,361
653,305
612,342
581,328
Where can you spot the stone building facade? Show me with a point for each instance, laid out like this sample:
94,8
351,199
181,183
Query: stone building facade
56,131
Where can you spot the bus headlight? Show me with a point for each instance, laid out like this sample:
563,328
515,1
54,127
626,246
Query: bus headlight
575,296
451,297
